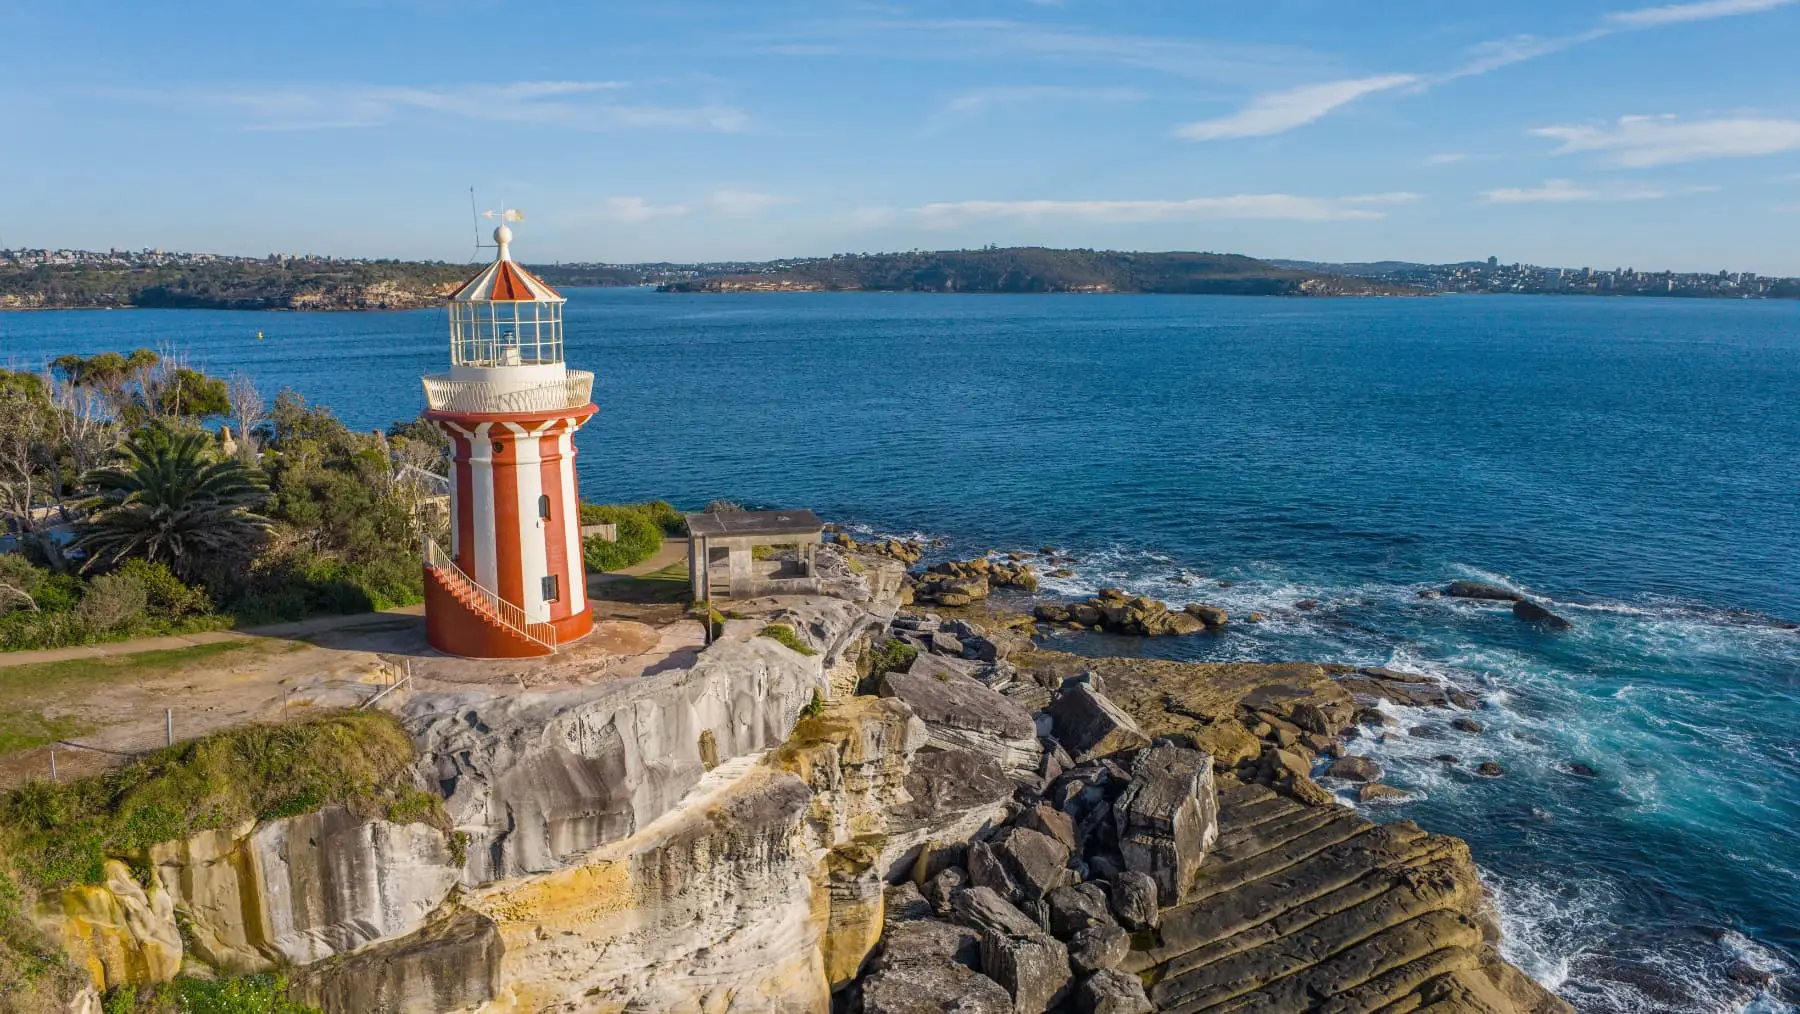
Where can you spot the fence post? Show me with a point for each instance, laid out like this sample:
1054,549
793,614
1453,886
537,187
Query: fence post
169,725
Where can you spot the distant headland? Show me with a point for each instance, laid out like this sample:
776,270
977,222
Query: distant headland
78,279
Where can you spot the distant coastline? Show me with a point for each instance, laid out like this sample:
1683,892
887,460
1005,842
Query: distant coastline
69,280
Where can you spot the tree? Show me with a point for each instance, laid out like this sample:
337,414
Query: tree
171,500
26,460
248,411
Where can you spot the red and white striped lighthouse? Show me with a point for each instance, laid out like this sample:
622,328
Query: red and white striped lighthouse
512,584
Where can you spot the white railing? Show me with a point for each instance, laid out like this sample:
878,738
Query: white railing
507,613
445,395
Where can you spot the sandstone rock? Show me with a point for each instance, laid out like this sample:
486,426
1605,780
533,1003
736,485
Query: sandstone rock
1103,945
1212,616
1077,907
1447,758
1355,768
1531,612
1305,790
1465,724
1480,590
855,913
1090,726
1048,820
1306,605
987,871
450,964
1167,817
1375,792
949,796
1037,863
1031,965
913,934
933,988
960,714
119,932
1489,769
1112,992
939,889
943,643
1133,896
1286,763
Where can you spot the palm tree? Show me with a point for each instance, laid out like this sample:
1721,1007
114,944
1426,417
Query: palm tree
170,498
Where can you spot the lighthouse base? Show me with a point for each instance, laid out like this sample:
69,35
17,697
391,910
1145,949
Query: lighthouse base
457,623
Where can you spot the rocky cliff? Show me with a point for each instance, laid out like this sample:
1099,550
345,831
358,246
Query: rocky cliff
1070,834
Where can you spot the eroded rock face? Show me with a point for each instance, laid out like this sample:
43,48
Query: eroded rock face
449,965
1090,725
119,931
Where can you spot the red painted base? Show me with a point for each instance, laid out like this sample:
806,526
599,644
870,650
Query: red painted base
455,626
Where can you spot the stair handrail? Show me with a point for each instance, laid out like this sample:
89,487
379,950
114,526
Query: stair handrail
508,614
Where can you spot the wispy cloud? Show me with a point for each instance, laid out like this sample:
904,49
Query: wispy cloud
1448,158
1011,95
579,105
1567,191
1671,14
637,209
1278,112
1641,141
1264,111
1288,207
745,203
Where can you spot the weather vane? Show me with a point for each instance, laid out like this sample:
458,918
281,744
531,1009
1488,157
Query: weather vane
504,214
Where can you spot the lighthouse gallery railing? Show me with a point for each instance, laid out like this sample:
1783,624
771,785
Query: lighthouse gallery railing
507,613
477,396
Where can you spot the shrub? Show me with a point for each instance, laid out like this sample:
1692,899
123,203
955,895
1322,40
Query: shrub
787,637
638,537
892,656
113,601
165,594
19,583
672,522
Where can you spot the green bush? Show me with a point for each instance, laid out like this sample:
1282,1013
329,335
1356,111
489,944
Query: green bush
113,601
672,522
892,656
166,597
140,599
638,537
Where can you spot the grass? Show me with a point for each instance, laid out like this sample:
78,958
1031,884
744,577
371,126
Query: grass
786,636
669,584
24,688
249,994
891,656
61,834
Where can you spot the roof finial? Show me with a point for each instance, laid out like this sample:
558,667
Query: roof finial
503,239
502,234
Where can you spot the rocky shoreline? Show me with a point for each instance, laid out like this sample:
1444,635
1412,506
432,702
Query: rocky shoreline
926,810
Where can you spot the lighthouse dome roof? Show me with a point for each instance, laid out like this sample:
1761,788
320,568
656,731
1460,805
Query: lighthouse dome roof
506,282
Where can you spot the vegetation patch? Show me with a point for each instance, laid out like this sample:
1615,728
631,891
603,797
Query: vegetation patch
787,637
891,656
638,537
61,834
264,993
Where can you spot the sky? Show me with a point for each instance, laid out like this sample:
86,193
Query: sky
1576,133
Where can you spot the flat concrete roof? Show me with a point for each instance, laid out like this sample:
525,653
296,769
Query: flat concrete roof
754,523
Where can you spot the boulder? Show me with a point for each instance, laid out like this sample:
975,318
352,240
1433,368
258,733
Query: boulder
961,714
1311,718
1582,770
1375,792
1036,863
1167,817
1109,991
1465,725
1046,819
1531,612
933,987
986,870
1076,908
939,889
1015,952
1089,726
1212,616
943,643
1355,768
1480,590
1101,946
1489,769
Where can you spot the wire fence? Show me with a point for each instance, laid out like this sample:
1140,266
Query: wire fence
395,678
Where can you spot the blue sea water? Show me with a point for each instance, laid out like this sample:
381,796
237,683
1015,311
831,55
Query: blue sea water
1635,463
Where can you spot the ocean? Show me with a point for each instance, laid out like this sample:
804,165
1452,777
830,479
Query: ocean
1634,463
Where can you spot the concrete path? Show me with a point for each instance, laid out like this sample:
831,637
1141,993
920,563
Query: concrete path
300,628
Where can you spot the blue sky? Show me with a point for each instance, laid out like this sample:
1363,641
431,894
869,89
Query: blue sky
1573,133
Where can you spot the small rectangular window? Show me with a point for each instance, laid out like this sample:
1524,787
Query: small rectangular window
550,589
544,507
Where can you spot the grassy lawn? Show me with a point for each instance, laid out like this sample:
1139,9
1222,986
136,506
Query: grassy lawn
24,689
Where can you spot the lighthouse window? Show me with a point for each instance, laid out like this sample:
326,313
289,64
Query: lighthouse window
550,589
544,507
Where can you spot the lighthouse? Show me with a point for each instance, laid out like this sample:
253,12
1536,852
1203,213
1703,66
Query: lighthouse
511,583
